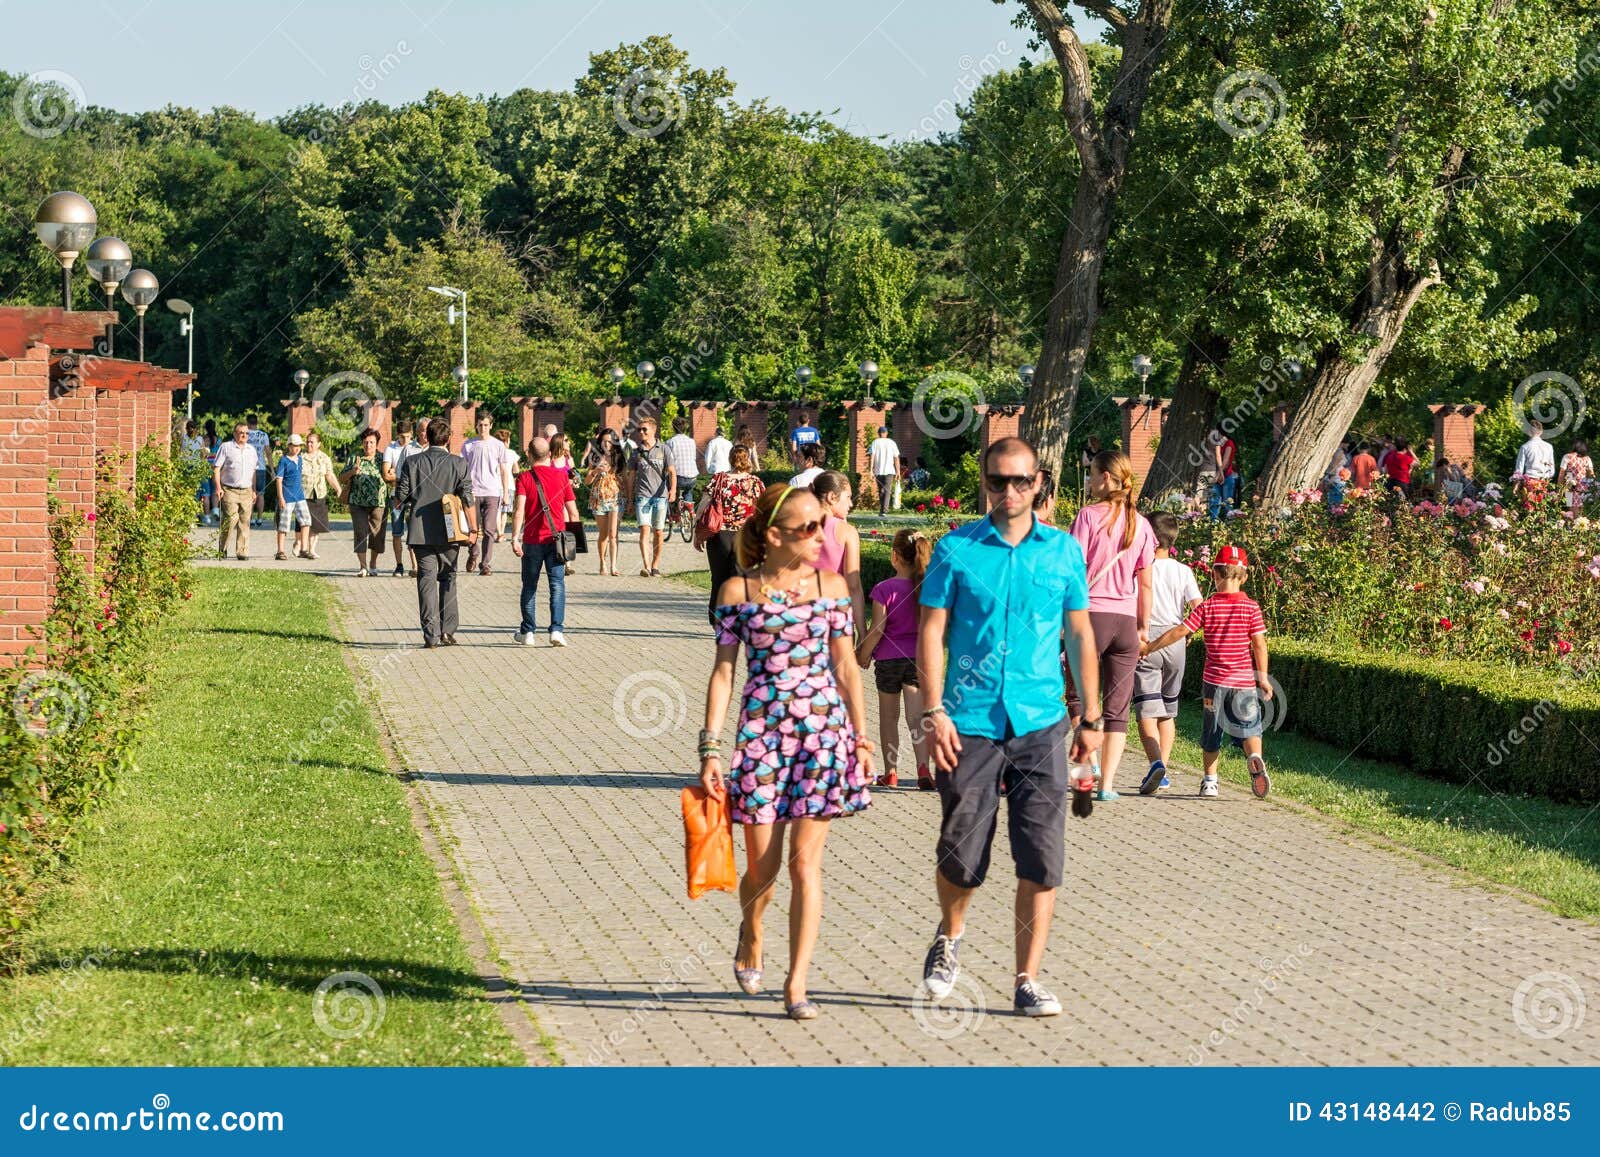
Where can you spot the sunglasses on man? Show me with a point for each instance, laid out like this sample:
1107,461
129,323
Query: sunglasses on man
1000,483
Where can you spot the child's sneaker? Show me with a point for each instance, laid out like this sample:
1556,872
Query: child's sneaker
1208,787
1154,780
1260,781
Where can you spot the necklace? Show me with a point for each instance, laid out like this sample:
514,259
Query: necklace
782,596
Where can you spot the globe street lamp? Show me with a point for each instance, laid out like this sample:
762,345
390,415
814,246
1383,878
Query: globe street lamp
139,289
300,378
109,260
869,374
1025,376
460,375
185,313
66,222
802,377
1142,365
646,370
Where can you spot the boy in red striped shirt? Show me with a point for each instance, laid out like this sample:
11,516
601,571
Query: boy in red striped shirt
1234,681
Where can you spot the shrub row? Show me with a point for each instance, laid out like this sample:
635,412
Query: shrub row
1516,731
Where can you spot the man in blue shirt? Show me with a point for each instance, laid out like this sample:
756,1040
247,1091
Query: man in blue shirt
1004,587
804,434
293,511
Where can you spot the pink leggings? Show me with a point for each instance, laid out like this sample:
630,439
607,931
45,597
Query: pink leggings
1116,641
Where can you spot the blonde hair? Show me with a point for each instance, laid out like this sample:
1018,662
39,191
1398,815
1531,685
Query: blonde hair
751,546
916,549
1117,465
1229,570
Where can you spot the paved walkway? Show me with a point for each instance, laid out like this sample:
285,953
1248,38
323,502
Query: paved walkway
1218,932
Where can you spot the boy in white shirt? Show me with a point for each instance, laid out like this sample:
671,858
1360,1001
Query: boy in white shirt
1158,680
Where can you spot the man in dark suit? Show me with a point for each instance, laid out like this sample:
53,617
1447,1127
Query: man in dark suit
425,479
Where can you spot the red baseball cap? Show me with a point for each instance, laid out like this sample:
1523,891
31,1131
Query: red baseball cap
1232,556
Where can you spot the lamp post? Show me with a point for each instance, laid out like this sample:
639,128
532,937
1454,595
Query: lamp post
802,378
139,290
456,295
618,375
65,222
1025,376
109,260
869,374
185,313
300,378
460,375
646,370
1142,365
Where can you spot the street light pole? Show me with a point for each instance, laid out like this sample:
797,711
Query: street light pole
185,313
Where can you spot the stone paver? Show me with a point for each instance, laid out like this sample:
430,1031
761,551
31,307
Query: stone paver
1219,932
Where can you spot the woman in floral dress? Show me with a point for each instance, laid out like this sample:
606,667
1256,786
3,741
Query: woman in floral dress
734,492
798,759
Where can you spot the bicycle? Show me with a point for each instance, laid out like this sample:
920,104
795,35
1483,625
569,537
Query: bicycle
683,519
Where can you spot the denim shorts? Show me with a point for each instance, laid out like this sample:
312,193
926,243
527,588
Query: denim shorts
1235,713
653,513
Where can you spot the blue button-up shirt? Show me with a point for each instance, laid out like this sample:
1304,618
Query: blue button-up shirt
1007,605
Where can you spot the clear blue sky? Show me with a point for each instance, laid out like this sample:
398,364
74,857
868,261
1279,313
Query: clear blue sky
886,65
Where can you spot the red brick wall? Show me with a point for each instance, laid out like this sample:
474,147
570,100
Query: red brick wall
461,416
72,455
997,422
1141,430
1454,433
24,468
302,416
703,422
614,415
548,413
906,433
378,414
864,420
115,431
757,415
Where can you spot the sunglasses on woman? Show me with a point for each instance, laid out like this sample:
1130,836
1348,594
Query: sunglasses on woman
802,529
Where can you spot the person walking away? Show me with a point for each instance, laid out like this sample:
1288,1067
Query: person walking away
513,466
542,489
841,542
1577,476
289,492
318,480
717,454
883,459
233,478
1397,467
654,485
799,758
804,434
1225,461
1118,546
743,437
1536,465
735,492
1363,469
685,458
261,442
605,502
366,482
425,479
1158,679
410,438
1385,448
892,644
1234,684
811,459
997,593
489,464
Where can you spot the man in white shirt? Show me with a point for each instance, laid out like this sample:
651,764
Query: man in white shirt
717,451
233,477
685,457
489,466
1536,463
394,456
883,459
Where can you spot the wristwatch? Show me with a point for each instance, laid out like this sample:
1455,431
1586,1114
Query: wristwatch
1092,724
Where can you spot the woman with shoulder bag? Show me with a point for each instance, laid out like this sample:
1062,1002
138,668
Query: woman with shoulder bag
733,494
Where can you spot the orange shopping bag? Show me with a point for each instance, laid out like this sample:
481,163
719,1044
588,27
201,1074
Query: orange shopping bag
707,843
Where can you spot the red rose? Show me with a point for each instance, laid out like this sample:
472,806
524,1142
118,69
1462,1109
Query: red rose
1527,636
1446,623
922,508
1563,647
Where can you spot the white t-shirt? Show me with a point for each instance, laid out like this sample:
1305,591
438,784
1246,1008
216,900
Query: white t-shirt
1172,589
881,454
717,451
806,477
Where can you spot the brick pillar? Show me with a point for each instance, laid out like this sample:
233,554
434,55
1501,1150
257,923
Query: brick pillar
1454,433
1142,423
863,419
758,416
995,422
615,412
25,419
703,422
550,412
72,455
462,416
154,409
114,432
302,416
907,434
525,423
1280,420
378,414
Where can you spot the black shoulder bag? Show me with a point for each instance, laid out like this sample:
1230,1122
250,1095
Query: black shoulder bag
566,542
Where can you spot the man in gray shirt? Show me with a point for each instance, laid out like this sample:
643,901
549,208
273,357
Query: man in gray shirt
655,485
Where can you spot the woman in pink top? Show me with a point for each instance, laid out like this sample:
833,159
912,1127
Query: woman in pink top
892,641
841,542
1118,548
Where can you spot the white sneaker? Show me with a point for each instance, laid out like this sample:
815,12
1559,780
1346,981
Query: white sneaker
527,640
557,639
1208,788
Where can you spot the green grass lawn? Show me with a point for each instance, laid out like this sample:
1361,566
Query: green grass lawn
1550,850
225,883
700,580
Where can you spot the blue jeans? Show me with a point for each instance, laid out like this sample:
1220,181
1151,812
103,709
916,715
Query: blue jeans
536,557
1222,497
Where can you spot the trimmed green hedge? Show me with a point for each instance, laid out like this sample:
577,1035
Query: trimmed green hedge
875,565
1512,731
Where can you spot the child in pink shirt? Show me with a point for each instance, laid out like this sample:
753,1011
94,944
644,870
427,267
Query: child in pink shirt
892,641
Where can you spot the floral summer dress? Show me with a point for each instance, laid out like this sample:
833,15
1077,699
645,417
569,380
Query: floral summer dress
795,752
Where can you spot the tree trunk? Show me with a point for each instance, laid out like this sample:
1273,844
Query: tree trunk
1183,453
1069,328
